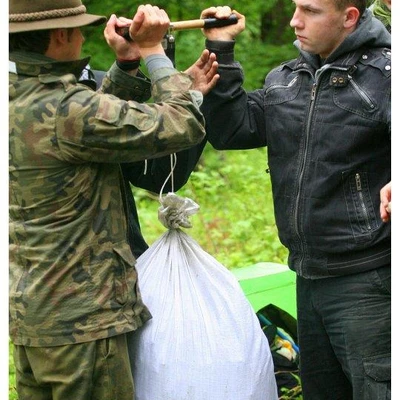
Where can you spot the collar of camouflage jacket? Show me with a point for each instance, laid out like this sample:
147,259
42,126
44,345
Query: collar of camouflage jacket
34,64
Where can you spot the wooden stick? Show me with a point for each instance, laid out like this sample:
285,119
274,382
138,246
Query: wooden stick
206,23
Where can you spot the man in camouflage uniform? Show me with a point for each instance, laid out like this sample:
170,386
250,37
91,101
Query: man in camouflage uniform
73,284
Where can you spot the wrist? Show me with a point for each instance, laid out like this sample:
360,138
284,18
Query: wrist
128,65
148,51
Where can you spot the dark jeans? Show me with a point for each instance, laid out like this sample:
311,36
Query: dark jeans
344,328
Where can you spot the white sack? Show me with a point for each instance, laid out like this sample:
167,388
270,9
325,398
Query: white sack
204,341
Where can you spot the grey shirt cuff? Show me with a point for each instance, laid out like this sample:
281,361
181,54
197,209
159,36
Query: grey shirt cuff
159,66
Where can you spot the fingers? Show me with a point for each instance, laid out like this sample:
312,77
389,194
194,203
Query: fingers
241,18
114,24
109,30
385,215
206,58
217,12
149,25
385,211
207,62
204,72
153,12
211,67
223,33
385,206
122,48
137,22
152,15
110,24
123,22
209,84
212,83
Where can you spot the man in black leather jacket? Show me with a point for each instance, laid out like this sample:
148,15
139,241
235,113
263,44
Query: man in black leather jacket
325,119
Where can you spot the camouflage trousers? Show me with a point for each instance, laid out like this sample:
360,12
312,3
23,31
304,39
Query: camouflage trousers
98,370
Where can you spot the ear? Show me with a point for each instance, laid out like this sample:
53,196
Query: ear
58,38
59,35
351,18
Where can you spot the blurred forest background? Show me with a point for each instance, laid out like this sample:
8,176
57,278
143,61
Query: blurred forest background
236,223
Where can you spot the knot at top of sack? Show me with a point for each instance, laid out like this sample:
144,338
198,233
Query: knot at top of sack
175,211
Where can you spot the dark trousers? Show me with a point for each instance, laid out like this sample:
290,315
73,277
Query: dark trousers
344,328
97,370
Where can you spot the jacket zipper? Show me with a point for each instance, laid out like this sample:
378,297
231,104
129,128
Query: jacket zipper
364,96
302,169
304,161
303,164
362,200
361,93
272,87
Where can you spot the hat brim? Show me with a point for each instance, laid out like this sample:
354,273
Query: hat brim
54,23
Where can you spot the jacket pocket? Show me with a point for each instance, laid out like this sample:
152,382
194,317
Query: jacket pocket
116,112
359,205
282,92
356,98
377,377
125,275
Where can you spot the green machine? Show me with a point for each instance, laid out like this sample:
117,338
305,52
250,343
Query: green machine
268,283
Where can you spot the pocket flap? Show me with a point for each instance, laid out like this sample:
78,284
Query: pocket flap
124,251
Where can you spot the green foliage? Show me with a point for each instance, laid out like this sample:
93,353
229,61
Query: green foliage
294,393
12,392
235,222
260,59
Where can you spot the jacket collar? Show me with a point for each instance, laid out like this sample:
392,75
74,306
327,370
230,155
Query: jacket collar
34,64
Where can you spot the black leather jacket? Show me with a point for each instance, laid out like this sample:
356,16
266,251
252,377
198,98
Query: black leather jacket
327,129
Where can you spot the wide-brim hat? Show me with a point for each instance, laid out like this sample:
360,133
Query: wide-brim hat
34,15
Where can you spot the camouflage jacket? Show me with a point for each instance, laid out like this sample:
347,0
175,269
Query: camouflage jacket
72,273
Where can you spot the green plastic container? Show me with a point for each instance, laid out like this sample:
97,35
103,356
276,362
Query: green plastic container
268,283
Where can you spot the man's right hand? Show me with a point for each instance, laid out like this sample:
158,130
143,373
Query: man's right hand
386,202
124,49
228,32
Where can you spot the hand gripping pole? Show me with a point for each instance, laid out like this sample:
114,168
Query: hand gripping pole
205,23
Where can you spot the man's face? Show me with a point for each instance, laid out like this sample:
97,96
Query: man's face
318,26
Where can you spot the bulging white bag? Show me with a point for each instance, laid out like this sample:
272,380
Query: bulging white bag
204,341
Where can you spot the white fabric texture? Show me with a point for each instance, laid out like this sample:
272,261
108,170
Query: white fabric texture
204,341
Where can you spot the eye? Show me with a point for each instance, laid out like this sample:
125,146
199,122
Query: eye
309,11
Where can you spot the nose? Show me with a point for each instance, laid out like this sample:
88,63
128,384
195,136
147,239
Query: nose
295,21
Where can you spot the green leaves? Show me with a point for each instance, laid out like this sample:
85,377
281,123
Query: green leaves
235,223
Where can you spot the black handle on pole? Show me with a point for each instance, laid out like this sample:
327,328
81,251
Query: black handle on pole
217,23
